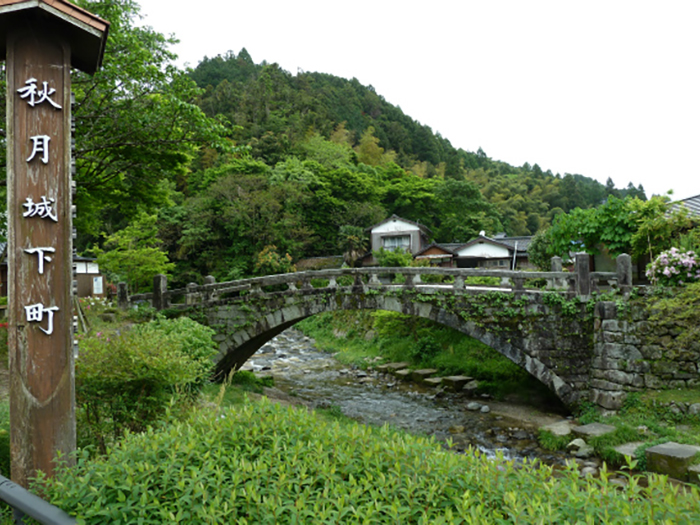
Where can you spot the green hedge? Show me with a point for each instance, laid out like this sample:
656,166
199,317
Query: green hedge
263,463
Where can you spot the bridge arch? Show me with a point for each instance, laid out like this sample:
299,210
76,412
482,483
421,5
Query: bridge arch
243,327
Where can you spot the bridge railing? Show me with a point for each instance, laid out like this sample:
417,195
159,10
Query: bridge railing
579,283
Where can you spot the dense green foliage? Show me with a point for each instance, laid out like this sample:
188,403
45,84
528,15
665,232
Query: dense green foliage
126,381
631,225
673,308
262,463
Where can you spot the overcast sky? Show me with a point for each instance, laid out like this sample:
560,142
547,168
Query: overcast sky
601,88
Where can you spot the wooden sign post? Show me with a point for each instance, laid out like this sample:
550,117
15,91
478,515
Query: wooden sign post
41,40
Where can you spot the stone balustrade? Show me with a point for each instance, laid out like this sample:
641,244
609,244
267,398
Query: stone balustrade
580,283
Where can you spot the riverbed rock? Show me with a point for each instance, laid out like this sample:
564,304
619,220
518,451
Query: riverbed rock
579,448
485,409
672,459
592,430
589,471
474,406
585,451
576,444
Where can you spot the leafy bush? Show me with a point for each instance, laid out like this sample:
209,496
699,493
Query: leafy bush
263,463
249,382
425,348
125,381
482,281
5,438
142,313
674,268
393,258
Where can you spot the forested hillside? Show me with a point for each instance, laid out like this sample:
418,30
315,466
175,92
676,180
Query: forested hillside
237,168
276,111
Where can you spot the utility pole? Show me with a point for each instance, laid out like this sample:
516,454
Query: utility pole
41,40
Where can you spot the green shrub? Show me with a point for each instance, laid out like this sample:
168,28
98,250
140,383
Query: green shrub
425,349
5,438
141,313
550,441
249,382
126,381
263,463
482,281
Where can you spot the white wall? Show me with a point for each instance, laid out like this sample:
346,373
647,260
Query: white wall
395,227
483,250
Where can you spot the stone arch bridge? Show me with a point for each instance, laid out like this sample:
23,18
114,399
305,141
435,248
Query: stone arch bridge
542,321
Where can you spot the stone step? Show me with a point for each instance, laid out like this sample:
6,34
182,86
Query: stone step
456,383
560,428
419,376
694,474
471,387
672,459
391,367
592,430
404,374
628,449
433,381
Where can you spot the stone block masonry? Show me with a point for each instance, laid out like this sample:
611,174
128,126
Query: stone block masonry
632,354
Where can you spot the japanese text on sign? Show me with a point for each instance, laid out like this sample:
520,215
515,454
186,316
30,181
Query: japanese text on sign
35,95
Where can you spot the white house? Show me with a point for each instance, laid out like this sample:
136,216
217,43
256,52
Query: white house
396,233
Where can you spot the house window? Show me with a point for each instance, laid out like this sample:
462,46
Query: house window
398,242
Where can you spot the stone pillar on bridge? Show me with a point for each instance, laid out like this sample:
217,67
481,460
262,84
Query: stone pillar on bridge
583,276
209,295
624,274
160,288
557,266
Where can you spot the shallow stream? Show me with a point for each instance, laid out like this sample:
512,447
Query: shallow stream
373,398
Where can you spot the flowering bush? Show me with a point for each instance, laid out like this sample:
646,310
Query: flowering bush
674,268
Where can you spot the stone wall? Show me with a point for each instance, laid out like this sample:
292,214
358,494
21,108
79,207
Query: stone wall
633,353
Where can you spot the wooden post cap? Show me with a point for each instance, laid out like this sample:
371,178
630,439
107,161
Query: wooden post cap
84,32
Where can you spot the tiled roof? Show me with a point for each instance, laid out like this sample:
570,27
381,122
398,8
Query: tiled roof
692,204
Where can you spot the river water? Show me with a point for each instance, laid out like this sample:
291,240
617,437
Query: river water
303,371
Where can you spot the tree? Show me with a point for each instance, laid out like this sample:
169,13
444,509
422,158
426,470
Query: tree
270,262
137,122
462,212
133,254
369,152
354,242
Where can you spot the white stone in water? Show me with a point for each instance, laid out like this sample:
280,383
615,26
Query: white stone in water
589,471
485,409
576,443
474,406
585,451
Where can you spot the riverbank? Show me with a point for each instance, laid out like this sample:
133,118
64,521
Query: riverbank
647,419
